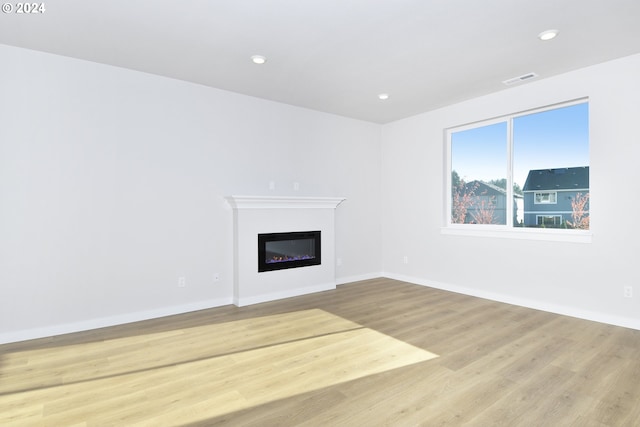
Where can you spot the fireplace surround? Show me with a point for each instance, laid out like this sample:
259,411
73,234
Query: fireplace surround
261,215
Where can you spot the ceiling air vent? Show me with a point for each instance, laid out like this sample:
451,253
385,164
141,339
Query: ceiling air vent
519,79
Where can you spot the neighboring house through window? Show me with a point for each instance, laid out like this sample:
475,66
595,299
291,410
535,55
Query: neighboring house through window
570,185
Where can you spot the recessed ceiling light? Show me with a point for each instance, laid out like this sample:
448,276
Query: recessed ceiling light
548,35
258,59
383,96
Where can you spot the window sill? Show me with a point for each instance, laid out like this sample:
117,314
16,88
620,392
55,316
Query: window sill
574,236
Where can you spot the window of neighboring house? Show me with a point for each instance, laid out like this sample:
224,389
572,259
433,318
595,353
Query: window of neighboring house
499,169
549,219
545,198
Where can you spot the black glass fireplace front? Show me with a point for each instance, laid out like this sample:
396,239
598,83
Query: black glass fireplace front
277,251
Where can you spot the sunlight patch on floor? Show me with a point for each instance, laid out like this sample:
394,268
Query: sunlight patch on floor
190,375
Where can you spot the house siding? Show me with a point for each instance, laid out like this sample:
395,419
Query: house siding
567,183
562,206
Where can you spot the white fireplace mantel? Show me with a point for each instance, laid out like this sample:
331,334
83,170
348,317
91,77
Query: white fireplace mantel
283,202
253,215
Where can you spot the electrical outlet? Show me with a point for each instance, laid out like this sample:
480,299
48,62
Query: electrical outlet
405,260
272,185
216,277
182,282
628,292
296,186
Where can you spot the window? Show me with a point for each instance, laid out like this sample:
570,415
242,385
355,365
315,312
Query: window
549,220
525,170
545,198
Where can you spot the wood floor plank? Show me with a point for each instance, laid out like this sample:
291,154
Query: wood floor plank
364,354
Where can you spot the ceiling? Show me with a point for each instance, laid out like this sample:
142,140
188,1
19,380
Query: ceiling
336,56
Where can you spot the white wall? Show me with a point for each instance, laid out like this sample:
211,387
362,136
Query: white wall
112,185
585,280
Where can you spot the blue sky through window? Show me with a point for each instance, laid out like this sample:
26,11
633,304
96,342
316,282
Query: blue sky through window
480,153
549,139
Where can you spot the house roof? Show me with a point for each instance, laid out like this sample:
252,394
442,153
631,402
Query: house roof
558,179
481,187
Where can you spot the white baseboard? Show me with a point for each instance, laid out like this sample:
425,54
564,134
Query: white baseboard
609,319
256,299
49,331
358,278
28,334
85,325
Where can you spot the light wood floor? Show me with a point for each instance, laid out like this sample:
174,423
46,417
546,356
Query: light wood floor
373,353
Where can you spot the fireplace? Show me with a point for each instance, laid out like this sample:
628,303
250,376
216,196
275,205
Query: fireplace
277,251
293,218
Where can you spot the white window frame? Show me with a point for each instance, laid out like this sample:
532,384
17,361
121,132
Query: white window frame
508,230
549,200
